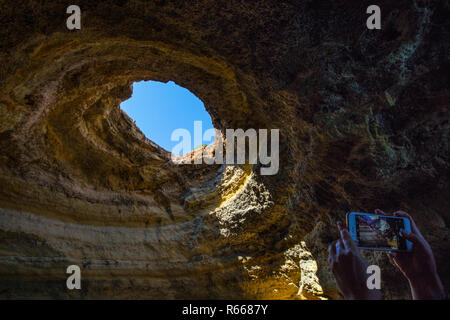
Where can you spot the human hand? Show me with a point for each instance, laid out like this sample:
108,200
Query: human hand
418,265
350,268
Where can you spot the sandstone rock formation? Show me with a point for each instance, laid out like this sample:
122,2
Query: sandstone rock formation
363,118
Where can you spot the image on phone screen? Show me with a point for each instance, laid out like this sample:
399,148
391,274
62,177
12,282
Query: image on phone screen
380,232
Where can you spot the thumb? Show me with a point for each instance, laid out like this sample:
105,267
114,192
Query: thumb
345,236
410,236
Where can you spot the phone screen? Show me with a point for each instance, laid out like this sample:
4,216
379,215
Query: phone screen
375,231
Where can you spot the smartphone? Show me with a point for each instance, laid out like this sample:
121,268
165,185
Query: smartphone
378,232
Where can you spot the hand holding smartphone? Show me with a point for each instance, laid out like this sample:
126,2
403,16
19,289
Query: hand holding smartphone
379,232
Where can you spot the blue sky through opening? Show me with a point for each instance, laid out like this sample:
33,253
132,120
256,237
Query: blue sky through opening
159,108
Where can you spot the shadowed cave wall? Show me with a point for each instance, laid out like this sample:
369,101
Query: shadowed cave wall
363,118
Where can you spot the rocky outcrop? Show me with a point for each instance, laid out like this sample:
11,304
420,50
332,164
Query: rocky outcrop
363,118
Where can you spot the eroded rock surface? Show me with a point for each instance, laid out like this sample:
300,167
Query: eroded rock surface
363,118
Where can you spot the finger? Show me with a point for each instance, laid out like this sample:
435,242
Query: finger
330,260
400,213
347,240
380,212
332,251
404,214
410,236
332,255
339,248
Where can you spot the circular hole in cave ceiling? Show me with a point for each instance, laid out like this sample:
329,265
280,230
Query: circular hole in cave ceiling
159,109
